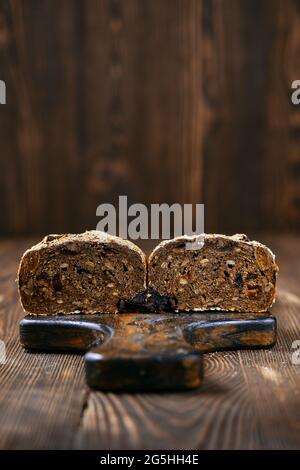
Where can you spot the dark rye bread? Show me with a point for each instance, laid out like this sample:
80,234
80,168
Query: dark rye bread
216,272
88,272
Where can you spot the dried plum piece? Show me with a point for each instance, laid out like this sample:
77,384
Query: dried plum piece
148,301
43,276
81,270
56,283
238,281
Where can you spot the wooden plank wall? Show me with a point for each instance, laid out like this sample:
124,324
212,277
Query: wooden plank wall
162,100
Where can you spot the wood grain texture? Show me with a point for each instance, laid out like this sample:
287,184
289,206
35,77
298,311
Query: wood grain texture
250,399
173,101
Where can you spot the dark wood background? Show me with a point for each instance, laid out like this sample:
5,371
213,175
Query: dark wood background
162,100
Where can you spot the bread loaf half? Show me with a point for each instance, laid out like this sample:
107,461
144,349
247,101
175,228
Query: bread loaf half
88,272
216,272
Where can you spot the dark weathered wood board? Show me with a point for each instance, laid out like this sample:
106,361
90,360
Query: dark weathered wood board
147,351
250,399
109,97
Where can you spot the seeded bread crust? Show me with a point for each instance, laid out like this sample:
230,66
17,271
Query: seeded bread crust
88,272
214,272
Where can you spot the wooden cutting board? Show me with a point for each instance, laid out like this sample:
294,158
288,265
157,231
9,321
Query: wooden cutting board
143,351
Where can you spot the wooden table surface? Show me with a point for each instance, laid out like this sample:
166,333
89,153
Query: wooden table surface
250,399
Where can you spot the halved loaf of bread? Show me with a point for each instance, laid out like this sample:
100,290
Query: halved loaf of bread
88,272
216,272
